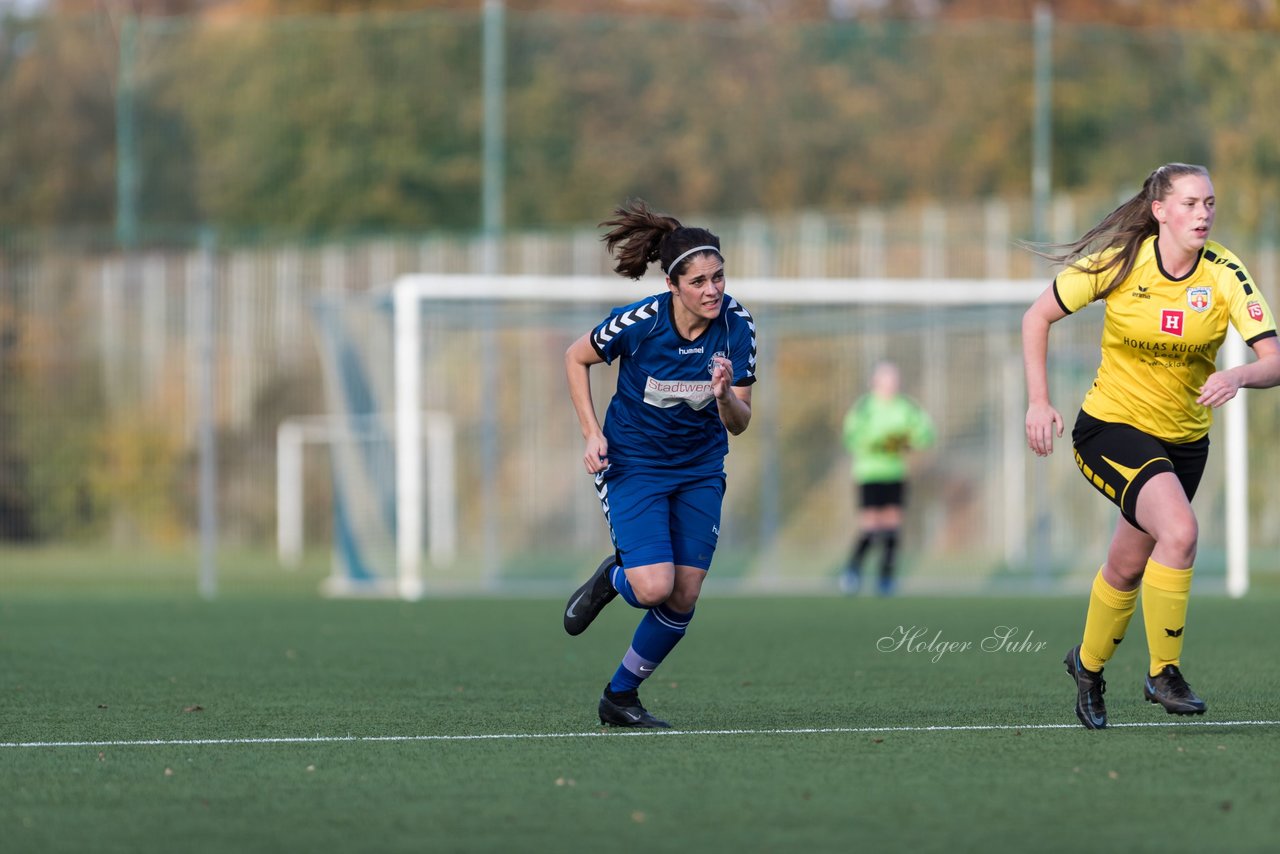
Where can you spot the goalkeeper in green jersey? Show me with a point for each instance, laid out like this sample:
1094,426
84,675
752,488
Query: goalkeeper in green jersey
880,430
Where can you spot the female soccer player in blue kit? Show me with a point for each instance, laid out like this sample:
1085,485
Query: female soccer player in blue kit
687,361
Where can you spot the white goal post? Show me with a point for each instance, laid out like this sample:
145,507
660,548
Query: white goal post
294,433
409,292
1235,419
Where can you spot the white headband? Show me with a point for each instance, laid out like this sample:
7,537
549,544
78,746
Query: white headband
687,253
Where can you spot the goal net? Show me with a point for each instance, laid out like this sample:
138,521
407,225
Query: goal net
497,499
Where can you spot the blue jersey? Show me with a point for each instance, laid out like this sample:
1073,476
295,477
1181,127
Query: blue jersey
664,412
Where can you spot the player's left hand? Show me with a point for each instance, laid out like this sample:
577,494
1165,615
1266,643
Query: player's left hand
721,377
1220,387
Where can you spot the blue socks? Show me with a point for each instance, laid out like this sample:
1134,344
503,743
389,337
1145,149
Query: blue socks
658,633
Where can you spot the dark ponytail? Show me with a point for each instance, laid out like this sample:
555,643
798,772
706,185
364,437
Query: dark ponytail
638,236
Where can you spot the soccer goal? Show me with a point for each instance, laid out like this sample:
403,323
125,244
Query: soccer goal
488,351
360,537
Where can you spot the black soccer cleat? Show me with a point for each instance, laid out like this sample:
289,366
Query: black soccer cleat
1090,686
1170,690
624,709
589,599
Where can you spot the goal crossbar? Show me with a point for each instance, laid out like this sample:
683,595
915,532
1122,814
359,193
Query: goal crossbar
409,291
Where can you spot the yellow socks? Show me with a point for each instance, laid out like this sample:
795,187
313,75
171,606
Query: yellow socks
1164,610
1105,624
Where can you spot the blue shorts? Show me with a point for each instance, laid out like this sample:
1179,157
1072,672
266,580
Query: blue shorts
661,515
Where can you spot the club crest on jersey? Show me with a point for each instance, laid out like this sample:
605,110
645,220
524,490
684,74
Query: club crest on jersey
1171,321
1198,298
711,365
1255,309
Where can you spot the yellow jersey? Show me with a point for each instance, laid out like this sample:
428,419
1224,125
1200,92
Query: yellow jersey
1161,335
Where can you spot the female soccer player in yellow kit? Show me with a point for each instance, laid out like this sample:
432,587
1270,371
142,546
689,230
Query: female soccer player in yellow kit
1141,437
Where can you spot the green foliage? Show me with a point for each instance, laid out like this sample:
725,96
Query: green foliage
59,451
350,124
57,164
373,122
73,467
135,471
49,412
15,505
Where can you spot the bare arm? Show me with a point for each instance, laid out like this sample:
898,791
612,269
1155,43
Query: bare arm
1042,419
736,412
1263,372
578,360
733,402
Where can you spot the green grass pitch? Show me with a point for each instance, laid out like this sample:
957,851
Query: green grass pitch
290,723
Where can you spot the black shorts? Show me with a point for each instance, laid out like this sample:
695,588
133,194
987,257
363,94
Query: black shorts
890,494
1119,459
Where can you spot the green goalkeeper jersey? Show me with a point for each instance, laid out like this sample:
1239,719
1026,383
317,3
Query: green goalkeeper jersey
879,432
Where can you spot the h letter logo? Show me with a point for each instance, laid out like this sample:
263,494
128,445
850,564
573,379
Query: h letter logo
1171,321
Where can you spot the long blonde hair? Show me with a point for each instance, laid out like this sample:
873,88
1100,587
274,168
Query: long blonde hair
1124,229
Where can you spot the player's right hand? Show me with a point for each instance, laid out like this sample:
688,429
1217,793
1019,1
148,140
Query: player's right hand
1042,422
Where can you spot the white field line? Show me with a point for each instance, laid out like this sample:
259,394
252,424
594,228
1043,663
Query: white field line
604,733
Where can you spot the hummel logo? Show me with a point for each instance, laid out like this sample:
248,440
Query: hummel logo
1174,633
569,613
